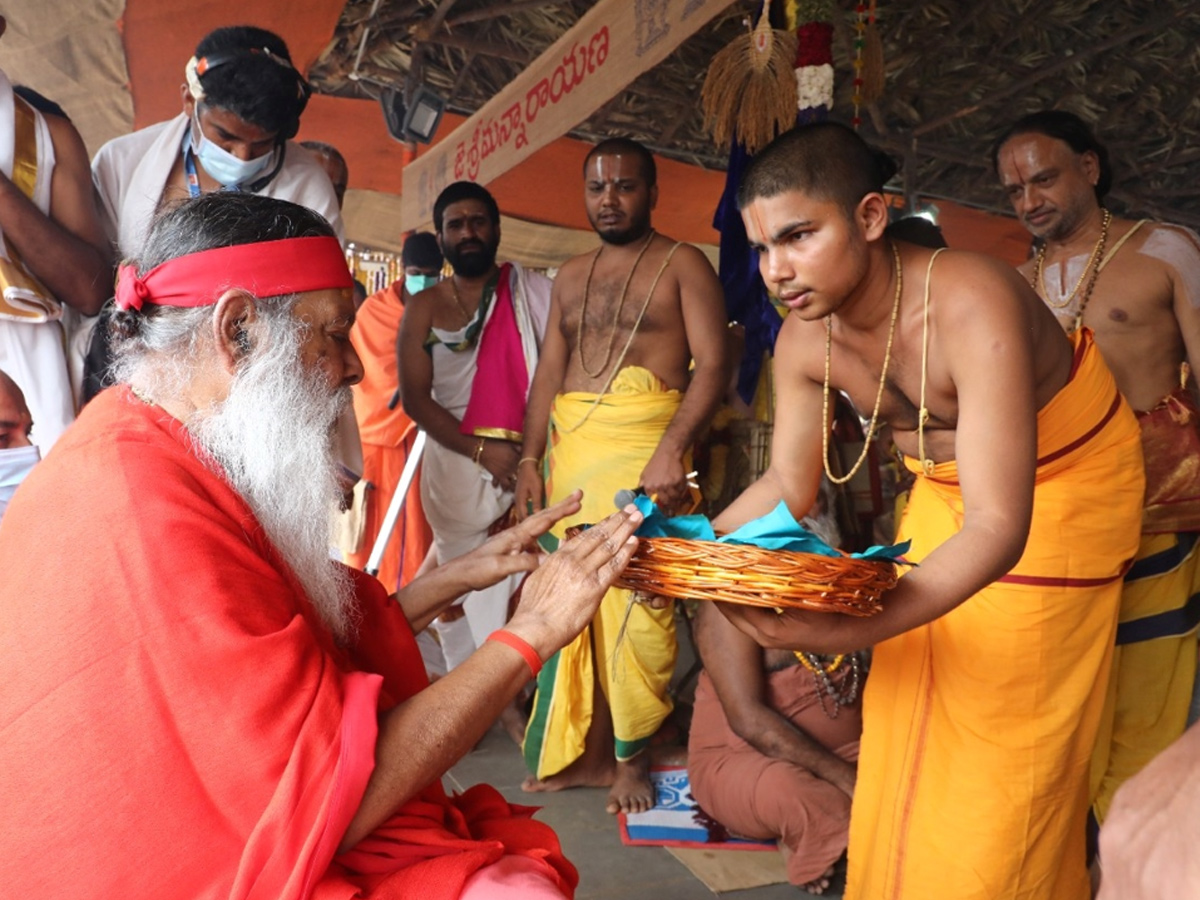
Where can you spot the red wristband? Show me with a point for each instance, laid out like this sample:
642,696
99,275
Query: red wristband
527,652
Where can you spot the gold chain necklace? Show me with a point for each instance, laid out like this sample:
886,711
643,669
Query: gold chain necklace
887,358
612,374
1090,272
616,325
458,300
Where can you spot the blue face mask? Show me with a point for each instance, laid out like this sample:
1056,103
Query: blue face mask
222,165
15,464
414,284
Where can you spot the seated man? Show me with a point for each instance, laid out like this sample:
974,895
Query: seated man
207,705
773,743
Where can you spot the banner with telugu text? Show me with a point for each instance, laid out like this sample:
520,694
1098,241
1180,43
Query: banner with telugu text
612,44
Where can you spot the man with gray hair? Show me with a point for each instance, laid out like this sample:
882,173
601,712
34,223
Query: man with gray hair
1136,286
244,716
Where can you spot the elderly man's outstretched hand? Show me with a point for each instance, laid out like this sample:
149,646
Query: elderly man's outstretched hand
562,596
514,549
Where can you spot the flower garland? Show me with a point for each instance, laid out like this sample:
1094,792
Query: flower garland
813,23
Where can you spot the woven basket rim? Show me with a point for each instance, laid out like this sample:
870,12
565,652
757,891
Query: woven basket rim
686,568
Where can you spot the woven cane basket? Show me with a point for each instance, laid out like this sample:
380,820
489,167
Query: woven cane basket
752,576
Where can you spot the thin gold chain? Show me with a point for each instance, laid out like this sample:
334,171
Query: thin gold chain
1090,271
458,300
887,358
616,325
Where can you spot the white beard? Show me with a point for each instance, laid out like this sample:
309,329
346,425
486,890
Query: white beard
272,439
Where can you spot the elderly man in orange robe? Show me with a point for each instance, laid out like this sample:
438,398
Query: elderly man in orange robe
386,431
213,707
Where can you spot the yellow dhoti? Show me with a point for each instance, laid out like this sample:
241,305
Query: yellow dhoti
602,454
980,726
1155,663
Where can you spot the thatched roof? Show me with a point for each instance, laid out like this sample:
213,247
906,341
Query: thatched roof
958,73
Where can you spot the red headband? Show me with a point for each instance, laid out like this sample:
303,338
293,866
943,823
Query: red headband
267,269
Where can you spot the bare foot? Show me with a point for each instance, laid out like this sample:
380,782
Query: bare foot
574,775
632,791
820,884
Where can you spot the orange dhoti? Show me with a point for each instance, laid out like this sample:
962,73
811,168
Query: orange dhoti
387,438
979,727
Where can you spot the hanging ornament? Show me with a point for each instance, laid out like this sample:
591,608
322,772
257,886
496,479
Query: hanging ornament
750,91
812,21
873,74
868,59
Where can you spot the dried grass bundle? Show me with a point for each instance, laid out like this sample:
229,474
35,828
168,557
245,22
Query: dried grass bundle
750,89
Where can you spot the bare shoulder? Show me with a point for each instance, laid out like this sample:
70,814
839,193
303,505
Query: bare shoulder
978,300
418,311
568,283
690,269
576,266
961,282
688,258
1174,245
68,145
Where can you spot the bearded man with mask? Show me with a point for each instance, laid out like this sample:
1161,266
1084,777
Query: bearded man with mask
387,432
468,347
214,707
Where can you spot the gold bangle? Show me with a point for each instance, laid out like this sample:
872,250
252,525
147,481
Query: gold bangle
478,454
524,459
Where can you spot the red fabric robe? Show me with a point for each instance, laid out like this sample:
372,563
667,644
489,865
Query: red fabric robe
175,721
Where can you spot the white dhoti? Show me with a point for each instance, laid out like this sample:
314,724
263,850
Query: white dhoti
461,503
460,499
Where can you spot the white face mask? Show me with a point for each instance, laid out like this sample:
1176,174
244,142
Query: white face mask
222,165
15,464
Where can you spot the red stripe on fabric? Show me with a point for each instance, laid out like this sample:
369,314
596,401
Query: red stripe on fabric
1080,441
1047,581
1077,358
